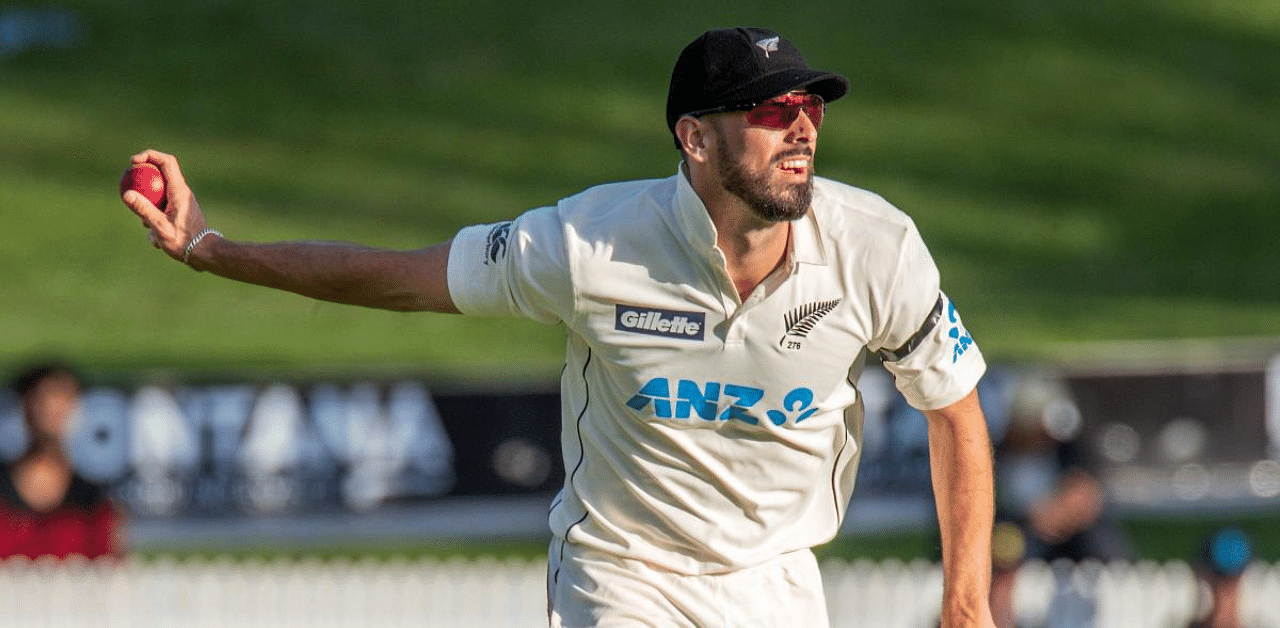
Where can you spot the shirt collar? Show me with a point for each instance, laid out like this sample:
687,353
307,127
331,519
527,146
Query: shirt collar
692,217
806,236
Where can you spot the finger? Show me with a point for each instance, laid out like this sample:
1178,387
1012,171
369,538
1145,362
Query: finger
168,165
143,208
147,156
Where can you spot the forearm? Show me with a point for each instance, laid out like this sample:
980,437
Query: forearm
961,463
342,273
336,272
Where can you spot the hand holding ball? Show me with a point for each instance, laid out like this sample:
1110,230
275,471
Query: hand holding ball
147,181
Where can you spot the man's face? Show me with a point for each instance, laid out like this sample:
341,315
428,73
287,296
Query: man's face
771,170
51,404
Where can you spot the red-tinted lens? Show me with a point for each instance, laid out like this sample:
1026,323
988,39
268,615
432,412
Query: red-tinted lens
780,112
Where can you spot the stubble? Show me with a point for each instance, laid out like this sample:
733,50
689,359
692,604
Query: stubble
769,201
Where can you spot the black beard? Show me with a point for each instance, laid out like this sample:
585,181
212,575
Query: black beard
789,203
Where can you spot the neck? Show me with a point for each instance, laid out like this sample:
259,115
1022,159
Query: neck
1225,607
744,237
45,453
752,246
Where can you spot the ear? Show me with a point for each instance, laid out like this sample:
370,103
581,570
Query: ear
694,137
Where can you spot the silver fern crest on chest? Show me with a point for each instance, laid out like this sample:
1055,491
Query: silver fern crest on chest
800,321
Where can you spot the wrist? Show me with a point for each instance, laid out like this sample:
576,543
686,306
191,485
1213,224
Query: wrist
195,241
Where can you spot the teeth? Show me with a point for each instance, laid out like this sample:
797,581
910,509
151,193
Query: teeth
795,164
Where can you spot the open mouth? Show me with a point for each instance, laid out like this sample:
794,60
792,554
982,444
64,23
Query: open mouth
795,165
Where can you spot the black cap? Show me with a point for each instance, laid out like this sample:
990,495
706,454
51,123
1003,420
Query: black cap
741,66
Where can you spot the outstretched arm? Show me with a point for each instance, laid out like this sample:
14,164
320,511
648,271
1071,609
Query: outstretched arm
330,271
960,460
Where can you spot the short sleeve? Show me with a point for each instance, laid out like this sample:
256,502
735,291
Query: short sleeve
922,340
514,268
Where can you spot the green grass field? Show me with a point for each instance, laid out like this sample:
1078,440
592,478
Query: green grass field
1080,172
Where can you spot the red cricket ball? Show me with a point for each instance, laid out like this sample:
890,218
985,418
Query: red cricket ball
146,180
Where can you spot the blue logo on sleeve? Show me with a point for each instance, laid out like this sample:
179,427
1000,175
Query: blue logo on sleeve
957,333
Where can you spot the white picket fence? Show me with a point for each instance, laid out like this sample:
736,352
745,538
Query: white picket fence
490,593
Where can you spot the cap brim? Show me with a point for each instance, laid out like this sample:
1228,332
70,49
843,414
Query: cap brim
828,85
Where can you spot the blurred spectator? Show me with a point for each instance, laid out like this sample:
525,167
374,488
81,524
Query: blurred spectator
1220,565
46,508
1050,503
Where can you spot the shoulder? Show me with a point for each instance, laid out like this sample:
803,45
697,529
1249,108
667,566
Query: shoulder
847,213
616,201
601,217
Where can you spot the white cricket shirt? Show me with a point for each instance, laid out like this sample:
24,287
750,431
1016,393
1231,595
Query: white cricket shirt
699,433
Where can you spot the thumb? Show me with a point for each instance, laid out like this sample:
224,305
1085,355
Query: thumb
145,210
164,234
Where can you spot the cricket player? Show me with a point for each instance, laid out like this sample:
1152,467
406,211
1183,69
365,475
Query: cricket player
717,322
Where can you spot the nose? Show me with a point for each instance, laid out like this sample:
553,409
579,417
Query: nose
802,128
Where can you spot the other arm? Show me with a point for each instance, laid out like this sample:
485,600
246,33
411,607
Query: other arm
339,272
961,463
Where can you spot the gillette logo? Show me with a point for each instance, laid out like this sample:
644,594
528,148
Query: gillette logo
668,323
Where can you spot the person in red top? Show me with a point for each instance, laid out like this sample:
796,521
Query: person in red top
46,508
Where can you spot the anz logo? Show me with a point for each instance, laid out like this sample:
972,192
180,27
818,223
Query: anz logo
957,333
691,398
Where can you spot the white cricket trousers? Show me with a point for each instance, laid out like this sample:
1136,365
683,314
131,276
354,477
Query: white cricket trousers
589,589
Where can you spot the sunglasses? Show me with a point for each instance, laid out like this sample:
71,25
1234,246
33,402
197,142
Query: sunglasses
776,113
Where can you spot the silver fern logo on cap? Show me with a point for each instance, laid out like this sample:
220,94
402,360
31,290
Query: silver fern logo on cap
769,45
